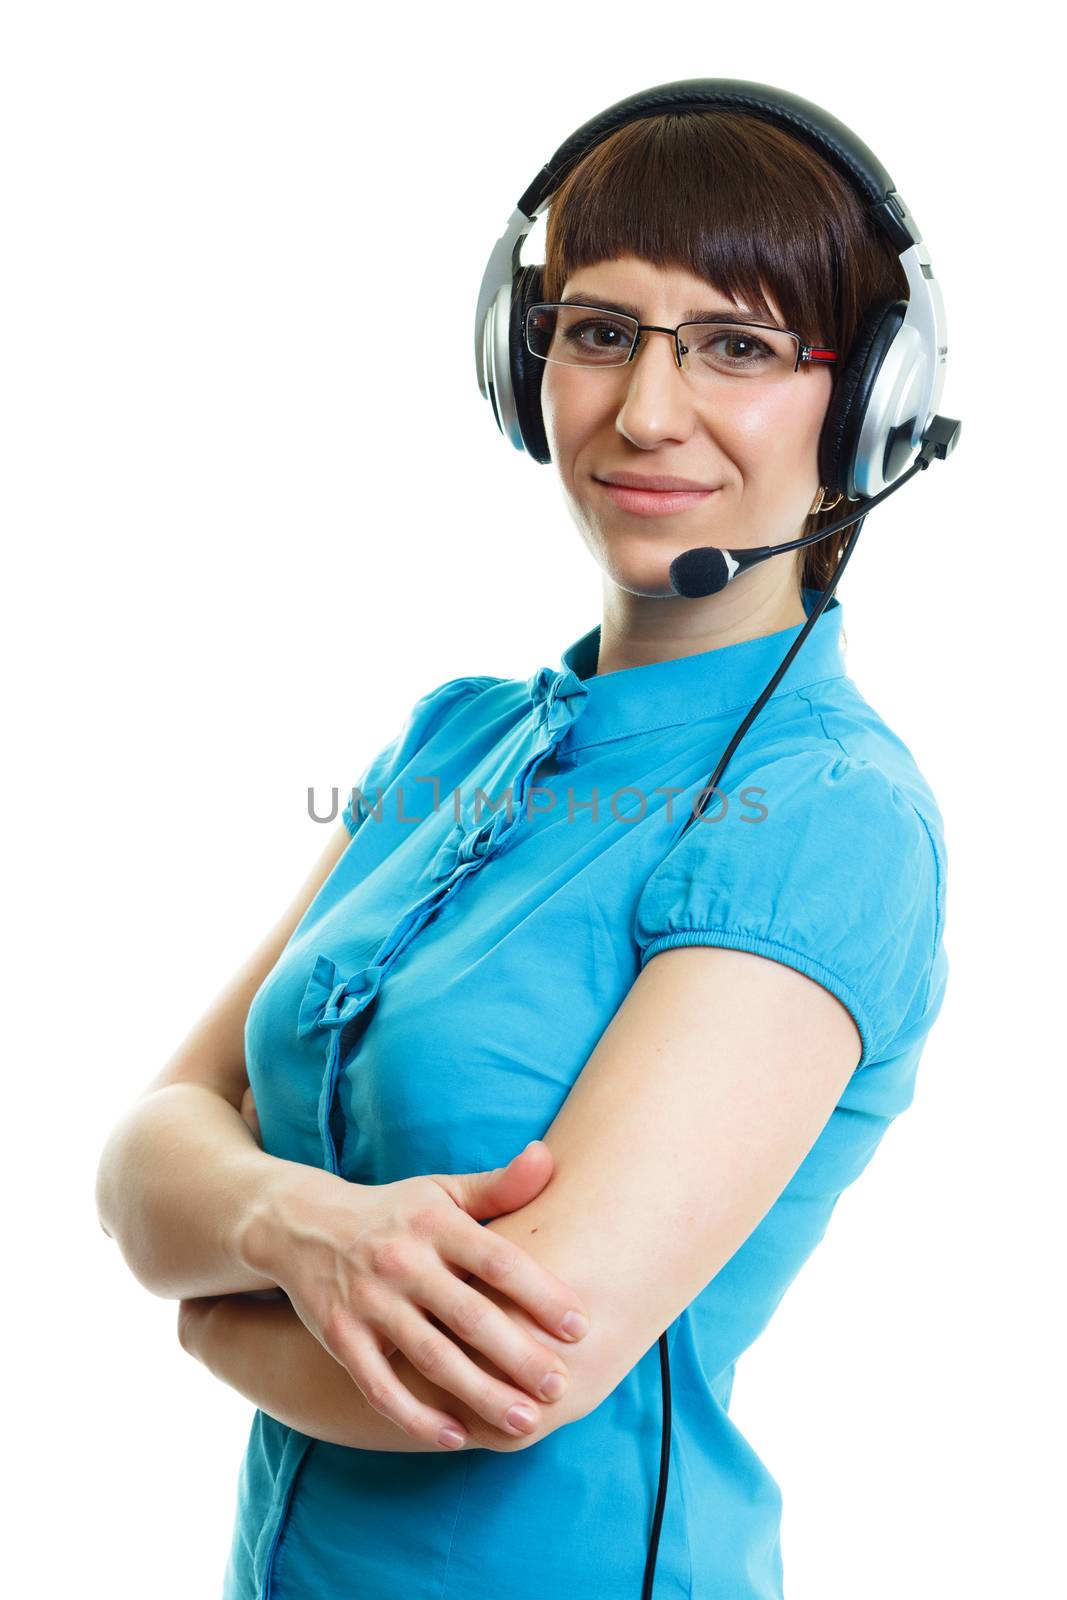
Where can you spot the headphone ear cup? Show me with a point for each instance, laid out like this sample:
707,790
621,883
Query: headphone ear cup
851,395
527,370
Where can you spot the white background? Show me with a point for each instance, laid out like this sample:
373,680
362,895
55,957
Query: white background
243,536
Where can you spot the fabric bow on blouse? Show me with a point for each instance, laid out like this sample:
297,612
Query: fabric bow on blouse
557,697
330,1002
468,841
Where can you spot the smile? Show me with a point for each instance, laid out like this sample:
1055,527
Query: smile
654,502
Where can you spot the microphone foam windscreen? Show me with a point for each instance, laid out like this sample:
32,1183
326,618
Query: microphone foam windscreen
699,572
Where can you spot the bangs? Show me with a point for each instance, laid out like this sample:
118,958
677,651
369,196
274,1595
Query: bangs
735,201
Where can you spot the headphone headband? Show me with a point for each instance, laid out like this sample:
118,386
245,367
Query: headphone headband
836,143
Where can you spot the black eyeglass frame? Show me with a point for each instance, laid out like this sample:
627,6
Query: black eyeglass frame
805,352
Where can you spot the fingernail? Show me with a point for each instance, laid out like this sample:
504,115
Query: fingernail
553,1386
450,1438
575,1326
521,1419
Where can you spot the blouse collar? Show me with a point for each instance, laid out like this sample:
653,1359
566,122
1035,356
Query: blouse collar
709,683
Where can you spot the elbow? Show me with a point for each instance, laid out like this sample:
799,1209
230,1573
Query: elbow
104,1189
482,1435
110,1186
555,1414
117,1223
597,1366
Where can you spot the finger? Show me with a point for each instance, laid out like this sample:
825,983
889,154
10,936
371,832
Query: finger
480,1322
379,1385
251,1115
488,1194
506,1188
504,1266
192,1314
445,1364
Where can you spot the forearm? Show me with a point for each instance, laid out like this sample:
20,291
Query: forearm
178,1182
263,1350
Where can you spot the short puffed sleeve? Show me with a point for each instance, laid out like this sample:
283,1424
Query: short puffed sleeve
425,719
821,862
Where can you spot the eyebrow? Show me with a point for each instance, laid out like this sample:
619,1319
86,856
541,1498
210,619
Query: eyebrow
718,315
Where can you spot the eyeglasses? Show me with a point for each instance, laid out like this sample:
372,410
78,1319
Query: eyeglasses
714,350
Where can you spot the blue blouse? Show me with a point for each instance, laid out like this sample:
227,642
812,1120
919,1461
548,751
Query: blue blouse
439,999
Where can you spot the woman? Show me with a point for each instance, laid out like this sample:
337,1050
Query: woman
705,1036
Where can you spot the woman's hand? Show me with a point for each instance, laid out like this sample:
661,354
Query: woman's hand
374,1269
251,1115
192,1319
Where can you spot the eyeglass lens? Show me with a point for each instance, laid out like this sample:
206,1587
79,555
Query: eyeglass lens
585,336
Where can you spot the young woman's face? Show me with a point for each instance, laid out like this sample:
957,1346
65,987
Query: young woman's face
755,443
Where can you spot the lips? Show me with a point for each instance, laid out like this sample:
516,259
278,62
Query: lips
657,483
654,502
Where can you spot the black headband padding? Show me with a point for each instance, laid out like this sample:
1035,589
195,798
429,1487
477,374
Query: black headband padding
824,132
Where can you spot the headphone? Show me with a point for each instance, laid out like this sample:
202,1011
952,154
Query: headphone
880,427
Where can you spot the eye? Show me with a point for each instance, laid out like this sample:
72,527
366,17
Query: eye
740,351
735,345
598,335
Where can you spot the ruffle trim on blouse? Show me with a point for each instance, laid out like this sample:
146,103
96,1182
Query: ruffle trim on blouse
558,699
330,1000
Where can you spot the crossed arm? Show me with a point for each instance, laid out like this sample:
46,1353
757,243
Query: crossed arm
702,1098
263,1350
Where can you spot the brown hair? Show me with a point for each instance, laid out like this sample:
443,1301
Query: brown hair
746,206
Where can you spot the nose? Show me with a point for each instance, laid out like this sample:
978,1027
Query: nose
645,337
658,401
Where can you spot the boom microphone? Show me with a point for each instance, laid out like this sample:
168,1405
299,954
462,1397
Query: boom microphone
707,570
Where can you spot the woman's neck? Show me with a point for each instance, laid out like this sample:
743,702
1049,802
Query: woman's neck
637,629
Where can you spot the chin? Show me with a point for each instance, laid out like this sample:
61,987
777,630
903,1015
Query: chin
646,577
